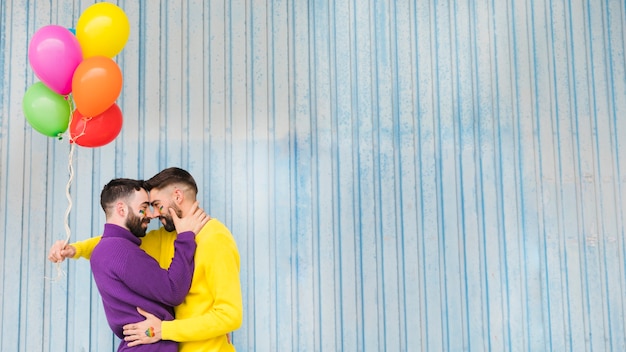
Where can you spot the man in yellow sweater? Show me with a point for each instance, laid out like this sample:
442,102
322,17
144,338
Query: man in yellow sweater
213,307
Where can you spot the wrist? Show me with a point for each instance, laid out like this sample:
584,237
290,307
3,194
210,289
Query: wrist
157,331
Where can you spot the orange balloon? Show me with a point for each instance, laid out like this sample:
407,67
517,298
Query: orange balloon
96,84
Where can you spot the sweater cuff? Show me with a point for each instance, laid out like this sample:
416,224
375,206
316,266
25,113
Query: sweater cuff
166,327
79,252
187,235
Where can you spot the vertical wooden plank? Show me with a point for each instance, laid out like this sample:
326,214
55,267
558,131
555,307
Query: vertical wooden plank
475,178
214,49
603,166
258,167
529,262
57,275
172,130
446,140
568,185
281,156
151,91
432,319
369,256
344,86
616,26
192,105
541,311
302,239
16,274
591,220
81,291
403,43
238,191
384,107
605,186
323,203
4,146
130,141
560,324
492,245
549,252
581,130
531,190
572,186
510,49
483,244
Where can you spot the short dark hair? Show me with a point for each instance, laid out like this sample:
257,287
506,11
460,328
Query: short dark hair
172,176
119,188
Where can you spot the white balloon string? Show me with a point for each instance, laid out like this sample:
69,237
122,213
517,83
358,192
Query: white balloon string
70,169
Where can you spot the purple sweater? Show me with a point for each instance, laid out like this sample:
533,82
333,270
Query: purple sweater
127,277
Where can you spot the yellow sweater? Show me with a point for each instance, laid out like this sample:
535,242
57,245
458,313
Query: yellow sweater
213,307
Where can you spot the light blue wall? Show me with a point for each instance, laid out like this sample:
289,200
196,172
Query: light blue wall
399,175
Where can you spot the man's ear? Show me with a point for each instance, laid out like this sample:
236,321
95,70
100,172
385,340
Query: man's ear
179,196
121,209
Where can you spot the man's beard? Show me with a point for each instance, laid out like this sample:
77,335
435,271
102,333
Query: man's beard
134,224
169,222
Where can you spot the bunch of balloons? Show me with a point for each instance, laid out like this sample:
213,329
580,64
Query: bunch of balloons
79,80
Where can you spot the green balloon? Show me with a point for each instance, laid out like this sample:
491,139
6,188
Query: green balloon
45,110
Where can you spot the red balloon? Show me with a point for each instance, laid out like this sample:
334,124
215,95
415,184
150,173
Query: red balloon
96,84
96,131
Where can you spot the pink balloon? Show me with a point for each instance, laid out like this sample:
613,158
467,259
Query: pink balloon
54,53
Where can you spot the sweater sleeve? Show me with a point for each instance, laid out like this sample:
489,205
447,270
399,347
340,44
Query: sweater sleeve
85,247
151,243
218,265
148,279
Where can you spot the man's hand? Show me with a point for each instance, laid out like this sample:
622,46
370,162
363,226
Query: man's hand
195,219
61,250
143,332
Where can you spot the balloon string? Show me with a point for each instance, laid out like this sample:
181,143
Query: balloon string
70,168
82,133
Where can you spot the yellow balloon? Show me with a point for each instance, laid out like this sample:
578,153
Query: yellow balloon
102,30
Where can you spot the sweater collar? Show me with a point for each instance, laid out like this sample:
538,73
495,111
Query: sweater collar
112,230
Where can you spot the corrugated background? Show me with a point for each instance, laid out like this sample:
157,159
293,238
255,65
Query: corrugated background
399,175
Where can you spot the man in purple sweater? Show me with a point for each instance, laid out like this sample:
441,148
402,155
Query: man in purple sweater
126,276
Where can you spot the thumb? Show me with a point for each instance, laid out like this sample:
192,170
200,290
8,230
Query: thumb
144,313
68,251
173,213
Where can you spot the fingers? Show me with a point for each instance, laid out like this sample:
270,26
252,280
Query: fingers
133,336
143,332
194,220
194,207
129,328
134,343
59,251
192,210
203,218
200,218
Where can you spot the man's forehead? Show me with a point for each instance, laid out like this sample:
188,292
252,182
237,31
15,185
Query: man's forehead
141,196
156,195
